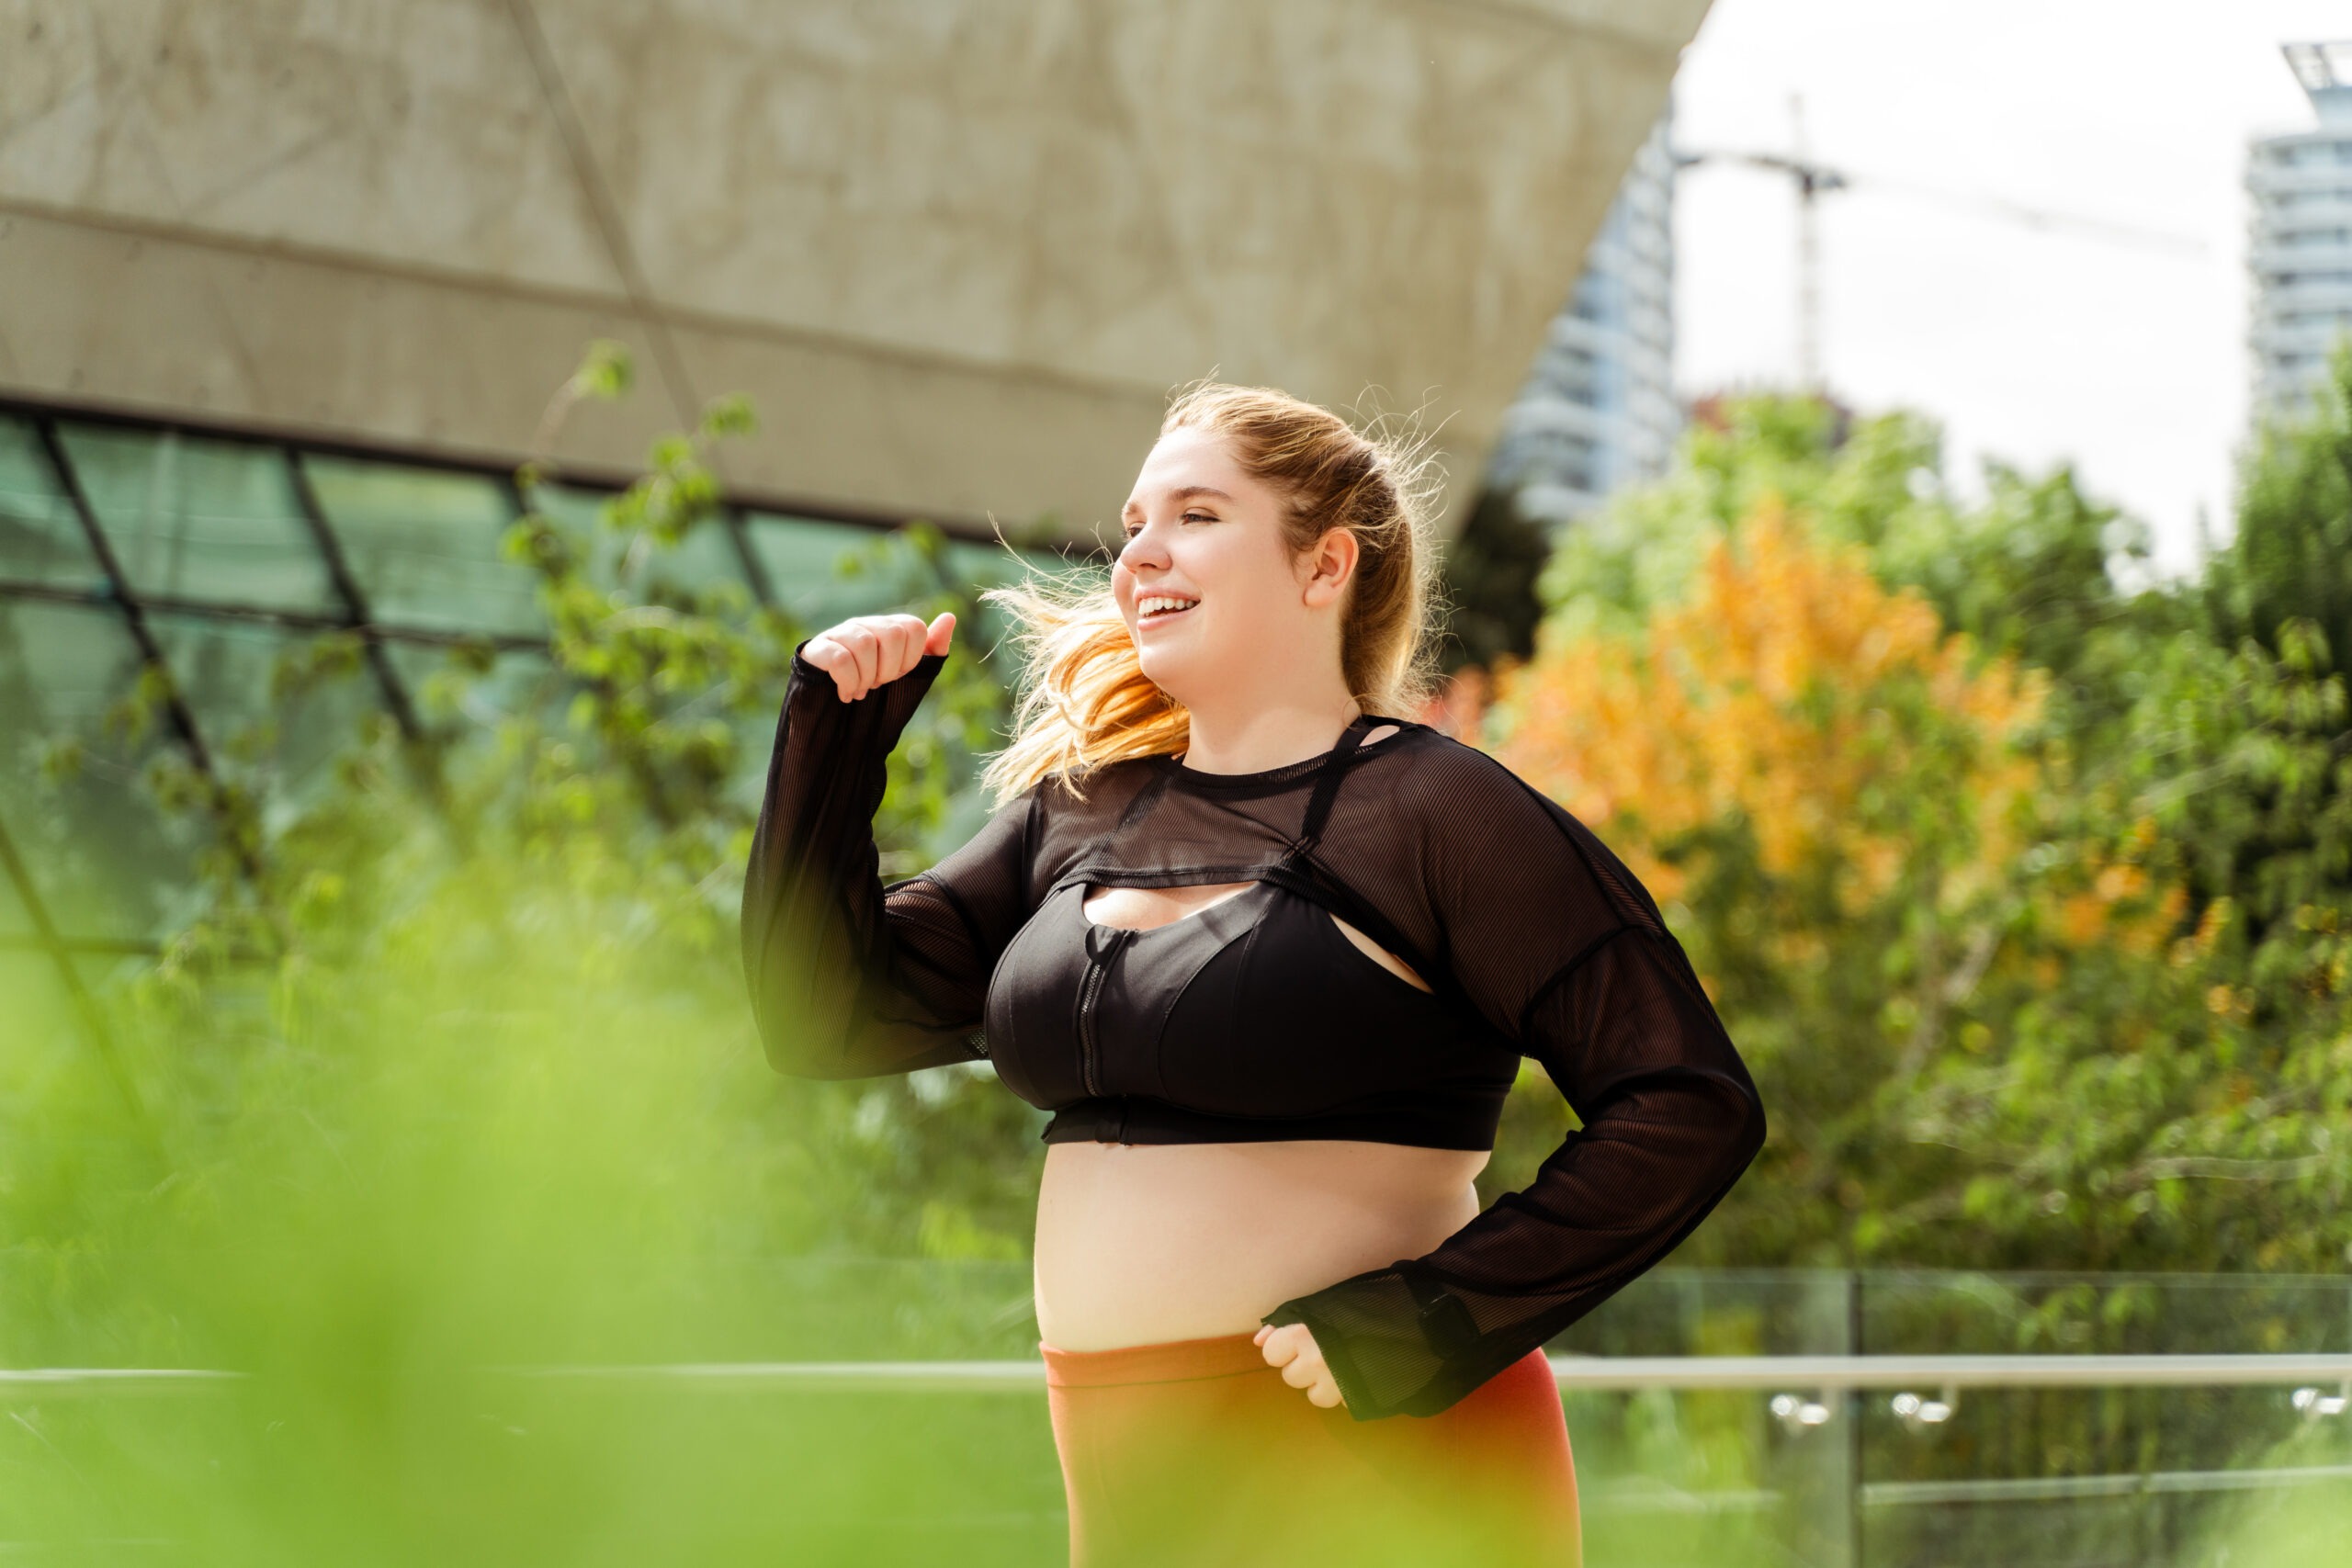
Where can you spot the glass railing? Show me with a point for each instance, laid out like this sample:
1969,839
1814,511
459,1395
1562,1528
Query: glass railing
1886,1418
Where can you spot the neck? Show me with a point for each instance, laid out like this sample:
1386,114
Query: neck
1236,741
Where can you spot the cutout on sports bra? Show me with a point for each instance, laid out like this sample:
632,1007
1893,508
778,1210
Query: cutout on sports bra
1380,955
1157,900
1141,898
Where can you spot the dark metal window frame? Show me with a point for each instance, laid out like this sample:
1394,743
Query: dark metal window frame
352,613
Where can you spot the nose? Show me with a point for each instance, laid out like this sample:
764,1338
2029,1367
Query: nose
1144,549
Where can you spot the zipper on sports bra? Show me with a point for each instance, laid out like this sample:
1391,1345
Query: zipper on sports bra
1089,990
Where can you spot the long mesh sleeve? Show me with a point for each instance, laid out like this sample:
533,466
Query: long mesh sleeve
1553,939
850,978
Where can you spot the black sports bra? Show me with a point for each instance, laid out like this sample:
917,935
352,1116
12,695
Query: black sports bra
1254,1018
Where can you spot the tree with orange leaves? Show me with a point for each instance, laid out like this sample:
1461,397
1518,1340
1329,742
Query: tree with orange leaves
1828,791
1933,804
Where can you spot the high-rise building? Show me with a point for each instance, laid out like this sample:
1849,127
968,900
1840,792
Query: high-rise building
1598,410
2301,243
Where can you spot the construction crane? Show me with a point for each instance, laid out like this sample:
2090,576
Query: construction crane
1813,180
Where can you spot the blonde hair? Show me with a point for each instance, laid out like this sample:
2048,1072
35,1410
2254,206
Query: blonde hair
1084,699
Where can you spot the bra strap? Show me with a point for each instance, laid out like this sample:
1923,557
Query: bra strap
1327,782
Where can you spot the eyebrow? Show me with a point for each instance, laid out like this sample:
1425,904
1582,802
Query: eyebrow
1186,492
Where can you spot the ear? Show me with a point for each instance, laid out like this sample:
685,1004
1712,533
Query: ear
1330,563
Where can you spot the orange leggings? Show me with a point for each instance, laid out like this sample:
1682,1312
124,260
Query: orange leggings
1195,1451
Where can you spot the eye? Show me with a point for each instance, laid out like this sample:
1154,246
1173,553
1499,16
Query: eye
1128,531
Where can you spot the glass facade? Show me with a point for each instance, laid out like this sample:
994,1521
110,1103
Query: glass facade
197,520
87,846
2299,248
1598,409
153,580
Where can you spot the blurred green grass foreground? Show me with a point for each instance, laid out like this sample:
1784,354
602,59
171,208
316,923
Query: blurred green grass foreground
439,1119
450,1080
500,1149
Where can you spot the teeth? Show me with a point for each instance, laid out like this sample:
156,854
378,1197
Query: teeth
1154,604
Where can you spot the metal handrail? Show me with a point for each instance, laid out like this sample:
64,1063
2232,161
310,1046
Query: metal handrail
2070,1488
92,1380
1843,1373
1592,1373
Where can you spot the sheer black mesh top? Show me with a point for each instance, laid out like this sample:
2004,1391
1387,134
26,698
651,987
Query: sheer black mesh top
1256,1017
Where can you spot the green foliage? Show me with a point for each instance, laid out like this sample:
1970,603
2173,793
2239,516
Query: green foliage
610,784
518,1124
1989,1079
2185,1108
1490,571
2291,556
2204,1089
2139,1053
452,1070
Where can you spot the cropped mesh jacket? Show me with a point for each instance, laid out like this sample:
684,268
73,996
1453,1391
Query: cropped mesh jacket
1255,1018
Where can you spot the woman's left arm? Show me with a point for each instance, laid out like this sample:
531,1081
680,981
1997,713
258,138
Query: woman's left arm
1555,940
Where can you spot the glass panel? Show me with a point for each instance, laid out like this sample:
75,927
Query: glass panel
823,572
424,546
449,694
705,556
975,566
236,678
40,538
103,857
988,563
197,519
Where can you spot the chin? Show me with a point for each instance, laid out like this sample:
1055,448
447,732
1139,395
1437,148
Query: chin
1163,670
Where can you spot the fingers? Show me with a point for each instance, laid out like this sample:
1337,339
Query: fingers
866,651
1292,1348
864,645
1322,1388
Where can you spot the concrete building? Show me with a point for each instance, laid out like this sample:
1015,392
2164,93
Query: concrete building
1599,409
285,289
957,251
2301,242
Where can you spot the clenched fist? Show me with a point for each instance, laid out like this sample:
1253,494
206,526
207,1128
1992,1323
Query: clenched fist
1291,1347
866,651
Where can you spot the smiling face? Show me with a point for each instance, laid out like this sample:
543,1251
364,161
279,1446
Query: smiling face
1218,604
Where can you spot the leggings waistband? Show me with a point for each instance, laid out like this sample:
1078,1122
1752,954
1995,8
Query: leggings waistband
1170,1361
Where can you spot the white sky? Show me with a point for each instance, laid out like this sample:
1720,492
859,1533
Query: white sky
2030,346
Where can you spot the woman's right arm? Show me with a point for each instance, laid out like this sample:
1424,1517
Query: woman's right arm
850,978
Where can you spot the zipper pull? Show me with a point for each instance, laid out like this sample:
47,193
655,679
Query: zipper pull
1102,941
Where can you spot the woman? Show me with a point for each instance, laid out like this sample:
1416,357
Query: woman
1272,955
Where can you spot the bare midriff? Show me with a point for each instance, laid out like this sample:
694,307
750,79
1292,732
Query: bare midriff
1142,1243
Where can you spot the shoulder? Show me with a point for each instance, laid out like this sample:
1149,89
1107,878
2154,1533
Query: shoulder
1476,816
1444,780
